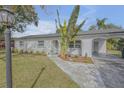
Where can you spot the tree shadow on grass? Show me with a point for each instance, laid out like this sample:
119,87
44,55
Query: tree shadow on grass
38,76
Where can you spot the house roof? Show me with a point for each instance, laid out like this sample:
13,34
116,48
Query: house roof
82,33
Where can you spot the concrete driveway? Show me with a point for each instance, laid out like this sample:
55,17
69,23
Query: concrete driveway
111,70
103,73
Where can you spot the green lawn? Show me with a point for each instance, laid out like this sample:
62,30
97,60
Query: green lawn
114,52
35,71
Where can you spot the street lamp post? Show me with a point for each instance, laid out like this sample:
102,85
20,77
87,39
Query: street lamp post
8,58
7,20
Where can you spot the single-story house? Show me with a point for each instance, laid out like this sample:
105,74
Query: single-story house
87,43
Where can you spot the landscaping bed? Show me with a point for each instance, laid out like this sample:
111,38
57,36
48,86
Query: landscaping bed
79,59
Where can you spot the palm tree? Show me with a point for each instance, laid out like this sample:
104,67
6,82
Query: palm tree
68,32
101,23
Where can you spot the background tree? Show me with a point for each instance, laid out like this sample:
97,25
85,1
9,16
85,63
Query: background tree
24,15
68,32
112,43
113,26
93,27
120,44
101,23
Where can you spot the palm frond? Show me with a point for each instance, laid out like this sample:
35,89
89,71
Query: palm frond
73,18
59,21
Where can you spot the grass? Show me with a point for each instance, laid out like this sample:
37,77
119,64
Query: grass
35,71
114,52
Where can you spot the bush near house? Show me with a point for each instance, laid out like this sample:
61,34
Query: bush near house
43,53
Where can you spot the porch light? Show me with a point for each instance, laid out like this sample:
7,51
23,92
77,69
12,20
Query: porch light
6,17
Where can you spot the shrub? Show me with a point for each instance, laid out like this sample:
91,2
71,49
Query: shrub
26,52
14,50
43,53
30,52
21,51
38,53
76,56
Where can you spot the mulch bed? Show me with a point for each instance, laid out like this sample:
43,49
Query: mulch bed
79,59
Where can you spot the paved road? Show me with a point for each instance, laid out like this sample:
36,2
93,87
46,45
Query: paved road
103,73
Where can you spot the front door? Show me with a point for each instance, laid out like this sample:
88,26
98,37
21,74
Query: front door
96,47
55,47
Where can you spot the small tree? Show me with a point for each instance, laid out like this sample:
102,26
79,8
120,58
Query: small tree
68,32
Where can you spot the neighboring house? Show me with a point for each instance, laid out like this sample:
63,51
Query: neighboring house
87,43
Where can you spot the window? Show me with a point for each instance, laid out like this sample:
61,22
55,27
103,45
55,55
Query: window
71,45
76,44
21,43
40,43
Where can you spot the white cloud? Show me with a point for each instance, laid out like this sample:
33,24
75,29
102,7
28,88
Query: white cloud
44,27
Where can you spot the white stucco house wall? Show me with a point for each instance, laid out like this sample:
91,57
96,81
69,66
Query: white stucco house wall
87,43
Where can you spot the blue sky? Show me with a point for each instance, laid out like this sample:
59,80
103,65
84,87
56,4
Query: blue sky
114,14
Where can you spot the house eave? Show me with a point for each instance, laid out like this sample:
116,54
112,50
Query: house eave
95,33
